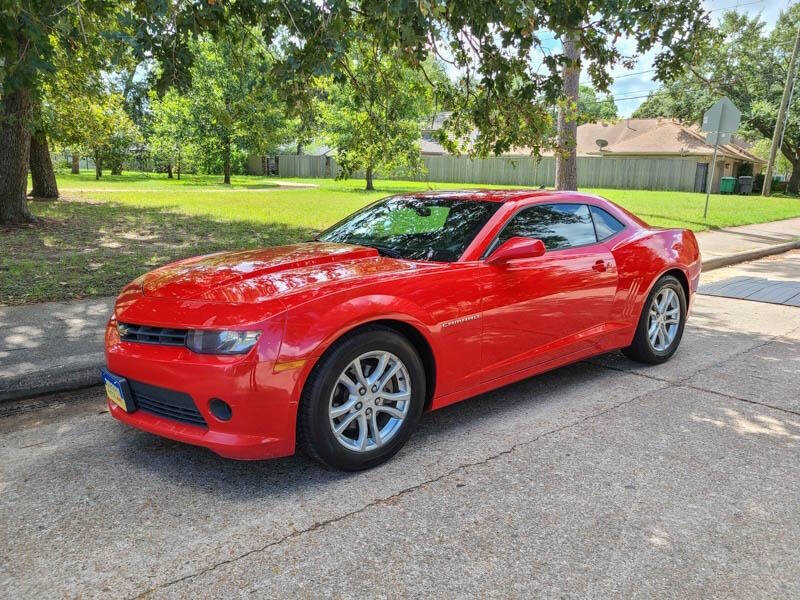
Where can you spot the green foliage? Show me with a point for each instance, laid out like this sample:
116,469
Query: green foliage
761,149
232,107
592,109
747,64
372,117
171,128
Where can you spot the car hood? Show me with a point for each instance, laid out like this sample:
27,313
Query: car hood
260,275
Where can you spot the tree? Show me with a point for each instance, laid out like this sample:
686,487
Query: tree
31,33
592,108
566,150
171,129
749,66
109,132
502,92
233,102
372,117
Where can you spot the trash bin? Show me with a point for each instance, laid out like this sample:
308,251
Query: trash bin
727,185
746,184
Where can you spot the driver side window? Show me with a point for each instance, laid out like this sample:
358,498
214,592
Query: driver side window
557,225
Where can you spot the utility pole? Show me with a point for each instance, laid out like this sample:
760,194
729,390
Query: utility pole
780,124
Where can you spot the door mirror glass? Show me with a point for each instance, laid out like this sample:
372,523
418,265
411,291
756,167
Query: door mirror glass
515,248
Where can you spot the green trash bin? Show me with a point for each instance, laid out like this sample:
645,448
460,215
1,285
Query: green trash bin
727,185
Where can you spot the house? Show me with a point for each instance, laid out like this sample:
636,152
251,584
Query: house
667,138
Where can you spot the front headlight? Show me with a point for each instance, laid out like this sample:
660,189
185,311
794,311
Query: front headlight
221,342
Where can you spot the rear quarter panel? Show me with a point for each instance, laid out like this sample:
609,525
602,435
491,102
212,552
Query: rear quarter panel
642,257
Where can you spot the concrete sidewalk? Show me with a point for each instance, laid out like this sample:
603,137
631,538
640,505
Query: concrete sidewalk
59,345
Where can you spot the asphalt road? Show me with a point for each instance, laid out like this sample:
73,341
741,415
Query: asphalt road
600,479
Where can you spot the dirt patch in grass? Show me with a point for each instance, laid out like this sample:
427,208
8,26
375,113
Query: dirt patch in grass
83,248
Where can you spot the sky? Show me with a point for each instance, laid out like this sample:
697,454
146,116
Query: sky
634,84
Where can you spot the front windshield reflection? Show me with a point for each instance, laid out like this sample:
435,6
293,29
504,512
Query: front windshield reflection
415,228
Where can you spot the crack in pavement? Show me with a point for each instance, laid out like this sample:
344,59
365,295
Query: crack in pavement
401,493
684,381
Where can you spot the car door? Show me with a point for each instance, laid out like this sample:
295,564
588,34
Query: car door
540,309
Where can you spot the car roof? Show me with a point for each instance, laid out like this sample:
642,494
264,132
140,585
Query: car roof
487,195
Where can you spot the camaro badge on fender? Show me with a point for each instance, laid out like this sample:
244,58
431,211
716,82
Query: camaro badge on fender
459,321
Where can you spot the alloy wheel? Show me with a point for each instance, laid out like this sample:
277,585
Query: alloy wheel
370,401
663,319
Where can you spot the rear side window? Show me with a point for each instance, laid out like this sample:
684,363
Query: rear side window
557,225
605,224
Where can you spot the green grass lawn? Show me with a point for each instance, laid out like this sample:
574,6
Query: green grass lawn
104,233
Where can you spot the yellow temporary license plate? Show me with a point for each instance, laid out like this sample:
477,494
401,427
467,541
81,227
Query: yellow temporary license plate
115,395
114,390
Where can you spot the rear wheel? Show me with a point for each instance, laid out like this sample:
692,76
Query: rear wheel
661,324
362,401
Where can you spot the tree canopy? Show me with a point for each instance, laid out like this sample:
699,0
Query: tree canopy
592,108
749,65
501,92
372,118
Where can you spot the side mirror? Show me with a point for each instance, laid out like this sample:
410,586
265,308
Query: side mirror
515,248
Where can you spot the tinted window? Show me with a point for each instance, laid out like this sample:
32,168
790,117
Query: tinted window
557,225
437,229
605,224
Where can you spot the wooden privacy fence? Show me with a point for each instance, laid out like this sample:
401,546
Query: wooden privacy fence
600,172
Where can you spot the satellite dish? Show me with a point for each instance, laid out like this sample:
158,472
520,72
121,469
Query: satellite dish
601,142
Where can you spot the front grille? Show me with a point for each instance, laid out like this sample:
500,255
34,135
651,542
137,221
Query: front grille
152,335
170,404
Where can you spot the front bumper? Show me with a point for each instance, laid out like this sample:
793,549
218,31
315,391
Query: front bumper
262,424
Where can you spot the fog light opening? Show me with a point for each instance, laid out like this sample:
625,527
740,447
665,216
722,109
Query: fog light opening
220,409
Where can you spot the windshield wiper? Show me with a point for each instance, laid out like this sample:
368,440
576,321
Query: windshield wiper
385,251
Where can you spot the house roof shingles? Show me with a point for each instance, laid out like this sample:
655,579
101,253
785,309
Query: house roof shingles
637,137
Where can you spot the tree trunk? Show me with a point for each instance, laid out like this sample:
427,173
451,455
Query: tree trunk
567,155
299,148
98,167
15,142
116,169
793,185
42,174
369,178
76,164
227,167
169,170
178,165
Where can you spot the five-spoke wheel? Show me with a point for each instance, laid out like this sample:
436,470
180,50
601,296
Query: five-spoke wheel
362,400
660,327
370,400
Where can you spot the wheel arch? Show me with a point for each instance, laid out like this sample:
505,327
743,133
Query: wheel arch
678,274
407,330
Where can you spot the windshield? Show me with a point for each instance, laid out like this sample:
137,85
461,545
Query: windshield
437,229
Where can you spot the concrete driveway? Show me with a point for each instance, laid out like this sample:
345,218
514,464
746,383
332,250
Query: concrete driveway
601,479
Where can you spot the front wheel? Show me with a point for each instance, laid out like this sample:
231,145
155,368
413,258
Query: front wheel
661,324
362,401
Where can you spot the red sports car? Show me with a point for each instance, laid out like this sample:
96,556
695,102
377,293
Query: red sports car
415,302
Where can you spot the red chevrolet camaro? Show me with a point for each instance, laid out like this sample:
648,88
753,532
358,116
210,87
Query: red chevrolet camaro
415,302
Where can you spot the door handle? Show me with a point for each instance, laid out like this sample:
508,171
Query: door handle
599,266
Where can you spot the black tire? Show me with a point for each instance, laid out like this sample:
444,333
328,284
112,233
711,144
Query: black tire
315,436
641,349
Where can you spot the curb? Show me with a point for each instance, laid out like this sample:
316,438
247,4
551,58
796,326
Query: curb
49,382
63,380
739,257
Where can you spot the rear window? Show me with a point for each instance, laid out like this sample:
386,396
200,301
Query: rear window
605,224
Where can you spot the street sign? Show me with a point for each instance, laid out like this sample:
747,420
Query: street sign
718,137
723,116
721,120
